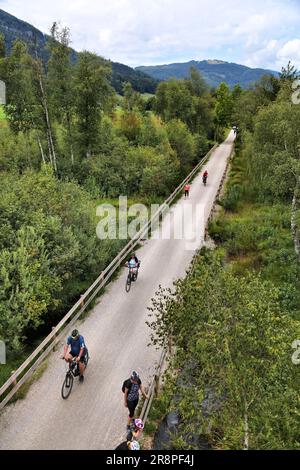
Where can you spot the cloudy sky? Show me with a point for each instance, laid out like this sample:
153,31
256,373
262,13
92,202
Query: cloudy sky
257,33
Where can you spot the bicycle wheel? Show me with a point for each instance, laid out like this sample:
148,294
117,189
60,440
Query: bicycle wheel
128,283
67,385
87,359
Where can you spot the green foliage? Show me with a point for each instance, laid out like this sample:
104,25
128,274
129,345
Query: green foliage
27,286
92,91
2,113
236,343
2,46
224,105
183,143
49,251
17,151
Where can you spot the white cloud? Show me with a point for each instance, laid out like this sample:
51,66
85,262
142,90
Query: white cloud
143,32
290,51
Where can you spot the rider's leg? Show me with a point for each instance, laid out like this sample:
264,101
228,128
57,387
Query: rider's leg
81,368
69,357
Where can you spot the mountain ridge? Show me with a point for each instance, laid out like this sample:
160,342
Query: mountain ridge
214,71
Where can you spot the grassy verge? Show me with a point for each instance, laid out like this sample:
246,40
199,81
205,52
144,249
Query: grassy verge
2,114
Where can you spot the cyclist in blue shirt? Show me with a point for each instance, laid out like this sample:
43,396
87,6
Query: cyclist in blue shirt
76,347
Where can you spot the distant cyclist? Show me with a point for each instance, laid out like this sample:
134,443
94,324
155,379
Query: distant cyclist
76,348
133,264
205,176
187,190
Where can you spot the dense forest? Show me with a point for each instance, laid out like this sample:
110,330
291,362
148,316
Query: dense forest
67,143
233,320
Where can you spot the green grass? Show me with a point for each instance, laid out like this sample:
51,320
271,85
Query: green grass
146,96
2,114
11,365
22,392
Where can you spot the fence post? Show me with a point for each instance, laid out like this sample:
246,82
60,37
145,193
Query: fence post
157,385
15,380
54,348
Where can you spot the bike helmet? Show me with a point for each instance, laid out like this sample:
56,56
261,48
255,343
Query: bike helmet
75,334
135,376
139,423
134,445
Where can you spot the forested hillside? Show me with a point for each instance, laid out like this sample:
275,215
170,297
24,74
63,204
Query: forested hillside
233,320
14,29
213,71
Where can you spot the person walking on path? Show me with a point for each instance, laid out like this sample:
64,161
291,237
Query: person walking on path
132,388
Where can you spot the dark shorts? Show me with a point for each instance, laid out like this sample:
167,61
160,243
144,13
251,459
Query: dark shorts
131,407
186,193
83,358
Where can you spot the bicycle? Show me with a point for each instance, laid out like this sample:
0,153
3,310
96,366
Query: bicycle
72,372
132,277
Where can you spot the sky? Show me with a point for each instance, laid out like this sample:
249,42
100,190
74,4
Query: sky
257,33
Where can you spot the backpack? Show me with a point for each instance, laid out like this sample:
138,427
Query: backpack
126,384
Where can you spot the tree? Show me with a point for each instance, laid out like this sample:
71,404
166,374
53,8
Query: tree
224,106
197,83
92,91
132,99
289,73
2,46
184,144
23,108
235,348
27,285
60,82
174,100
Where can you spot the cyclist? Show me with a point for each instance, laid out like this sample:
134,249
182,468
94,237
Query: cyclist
187,190
76,347
205,176
133,263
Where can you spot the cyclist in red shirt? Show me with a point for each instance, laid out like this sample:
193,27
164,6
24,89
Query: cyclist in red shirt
187,190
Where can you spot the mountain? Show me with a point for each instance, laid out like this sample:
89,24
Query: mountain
13,29
213,71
